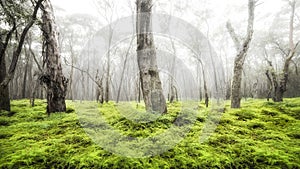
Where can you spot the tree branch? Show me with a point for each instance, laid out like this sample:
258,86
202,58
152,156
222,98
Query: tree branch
233,35
17,52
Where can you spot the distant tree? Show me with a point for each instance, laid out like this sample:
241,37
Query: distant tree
242,49
107,9
279,81
146,56
16,16
53,77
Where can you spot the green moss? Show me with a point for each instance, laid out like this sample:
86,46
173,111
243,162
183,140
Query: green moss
245,114
260,135
269,112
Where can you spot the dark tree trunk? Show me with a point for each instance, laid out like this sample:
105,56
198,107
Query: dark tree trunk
4,90
149,75
55,81
99,90
24,87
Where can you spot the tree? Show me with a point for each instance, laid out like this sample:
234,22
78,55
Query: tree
279,82
53,78
242,49
107,10
13,14
146,56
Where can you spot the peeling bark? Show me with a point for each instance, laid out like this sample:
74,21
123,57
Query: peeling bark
242,49
53,78
149,75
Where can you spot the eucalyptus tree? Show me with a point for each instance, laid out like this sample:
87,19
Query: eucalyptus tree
146,57
107,10
53,77
279,80
242,49
17,17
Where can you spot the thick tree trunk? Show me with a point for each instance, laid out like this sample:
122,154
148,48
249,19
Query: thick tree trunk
241,56
236,85
149,75
55,81
278,95
4,91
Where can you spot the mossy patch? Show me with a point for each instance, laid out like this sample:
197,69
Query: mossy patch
260,135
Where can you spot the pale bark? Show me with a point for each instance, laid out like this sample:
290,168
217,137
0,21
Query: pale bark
206,98
53,78
172,88
123,70
149,75
242,49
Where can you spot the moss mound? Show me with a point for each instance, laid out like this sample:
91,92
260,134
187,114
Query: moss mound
260,135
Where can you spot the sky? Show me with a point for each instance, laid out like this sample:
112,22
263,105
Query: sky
218,6
219,10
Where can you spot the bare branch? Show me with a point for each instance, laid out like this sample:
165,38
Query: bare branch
233,35
280,48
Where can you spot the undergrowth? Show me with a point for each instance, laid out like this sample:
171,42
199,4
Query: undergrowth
259,135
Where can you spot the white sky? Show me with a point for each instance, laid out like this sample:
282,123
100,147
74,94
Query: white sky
220,10
219,7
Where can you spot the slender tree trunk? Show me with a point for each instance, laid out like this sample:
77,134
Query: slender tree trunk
172,87
70,90
24,86
124,68
54,79
205,87
241,56
107,84
149,75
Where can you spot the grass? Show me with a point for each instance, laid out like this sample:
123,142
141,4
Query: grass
260,135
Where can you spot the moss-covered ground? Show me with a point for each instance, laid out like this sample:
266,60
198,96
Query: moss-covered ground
259,135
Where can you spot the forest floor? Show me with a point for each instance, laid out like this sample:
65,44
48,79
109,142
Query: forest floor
259,135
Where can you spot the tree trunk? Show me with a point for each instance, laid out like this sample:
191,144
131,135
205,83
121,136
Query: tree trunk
124,68
107,84
280,83
241,56
24,87
99,89
283,79
5,77
55,81
149,75
4,91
